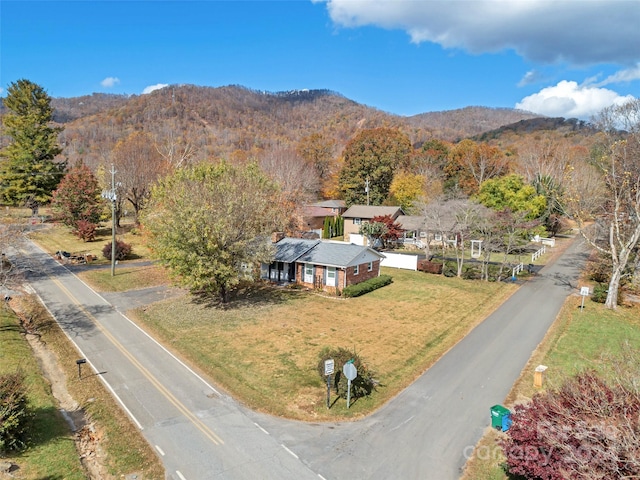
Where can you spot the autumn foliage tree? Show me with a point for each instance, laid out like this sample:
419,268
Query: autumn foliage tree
210,224
77,202
381,229
586,429
372,157
406,190
470,164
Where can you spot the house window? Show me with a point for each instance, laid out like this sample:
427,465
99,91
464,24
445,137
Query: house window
370,266
437,237
308,273
331,277
356,269
357,221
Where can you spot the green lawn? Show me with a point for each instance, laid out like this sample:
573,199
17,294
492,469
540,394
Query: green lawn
52,452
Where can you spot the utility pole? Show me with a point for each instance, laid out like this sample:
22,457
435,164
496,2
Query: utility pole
113,221
111,195
366,189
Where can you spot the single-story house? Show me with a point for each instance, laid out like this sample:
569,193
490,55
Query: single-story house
356,215
321,264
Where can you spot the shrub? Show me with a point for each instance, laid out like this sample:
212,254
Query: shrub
85,230
600,291
367,286
13,412
123,250
363,385
585,429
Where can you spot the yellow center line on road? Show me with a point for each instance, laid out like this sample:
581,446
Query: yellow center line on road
161,388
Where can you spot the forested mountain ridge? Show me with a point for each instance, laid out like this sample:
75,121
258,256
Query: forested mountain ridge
229,121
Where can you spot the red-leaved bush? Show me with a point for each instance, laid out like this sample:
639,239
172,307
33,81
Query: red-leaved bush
587,429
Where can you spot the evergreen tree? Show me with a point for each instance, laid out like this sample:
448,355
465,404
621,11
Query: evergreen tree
326,229
28,171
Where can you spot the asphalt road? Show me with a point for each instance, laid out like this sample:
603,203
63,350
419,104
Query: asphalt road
426,432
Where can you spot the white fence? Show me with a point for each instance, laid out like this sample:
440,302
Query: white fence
517,269
398,260
539,253
358,239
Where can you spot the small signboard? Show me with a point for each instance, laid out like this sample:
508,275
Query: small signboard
329,366
584,291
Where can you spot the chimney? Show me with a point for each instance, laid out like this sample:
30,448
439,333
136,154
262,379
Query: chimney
277,236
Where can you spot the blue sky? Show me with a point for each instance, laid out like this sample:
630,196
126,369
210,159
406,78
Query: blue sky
566,58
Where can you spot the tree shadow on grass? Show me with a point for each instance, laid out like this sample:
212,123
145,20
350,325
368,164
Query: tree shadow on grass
44,425
248,295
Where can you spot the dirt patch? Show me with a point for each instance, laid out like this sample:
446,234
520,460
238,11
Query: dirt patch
86,435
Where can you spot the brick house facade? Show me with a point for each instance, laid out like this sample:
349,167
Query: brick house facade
325,265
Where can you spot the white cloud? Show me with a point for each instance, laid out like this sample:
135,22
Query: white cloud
623,76
530,77
151,88
575,31
570,100
110,82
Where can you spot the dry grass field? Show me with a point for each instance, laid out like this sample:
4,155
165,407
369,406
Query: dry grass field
264,350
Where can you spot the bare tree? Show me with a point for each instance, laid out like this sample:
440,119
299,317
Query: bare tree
297,179
139,165
617,216
177,151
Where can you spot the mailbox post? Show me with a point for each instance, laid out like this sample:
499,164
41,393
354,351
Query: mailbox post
79,363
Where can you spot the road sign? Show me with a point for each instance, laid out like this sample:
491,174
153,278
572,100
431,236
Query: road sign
329,366
584,291
350,371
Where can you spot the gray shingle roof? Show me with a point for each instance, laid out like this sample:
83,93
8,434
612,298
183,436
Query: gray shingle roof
329,204
370,211
412,222
289,249
334,254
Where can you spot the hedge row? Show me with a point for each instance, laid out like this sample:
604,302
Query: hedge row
367,286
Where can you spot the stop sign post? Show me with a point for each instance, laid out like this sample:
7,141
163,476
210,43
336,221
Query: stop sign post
351,372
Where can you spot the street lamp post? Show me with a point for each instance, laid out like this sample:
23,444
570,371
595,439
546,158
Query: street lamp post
111,195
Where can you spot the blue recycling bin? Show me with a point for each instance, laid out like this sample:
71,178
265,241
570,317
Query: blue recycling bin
500,417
